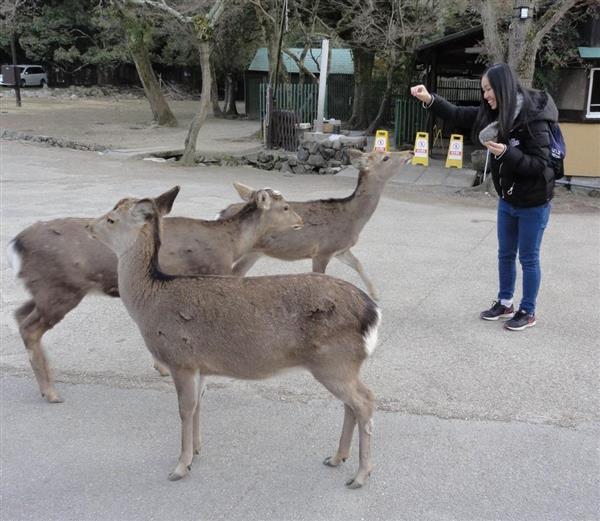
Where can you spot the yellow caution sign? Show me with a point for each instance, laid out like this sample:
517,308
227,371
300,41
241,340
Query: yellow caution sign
382,141
455,152
421,150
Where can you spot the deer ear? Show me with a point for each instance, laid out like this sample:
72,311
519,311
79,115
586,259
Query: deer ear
164,202
245,192
144,210
263,200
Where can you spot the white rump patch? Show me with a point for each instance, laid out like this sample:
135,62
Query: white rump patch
14,258
370,336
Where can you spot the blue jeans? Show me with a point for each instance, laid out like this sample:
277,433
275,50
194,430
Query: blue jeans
520,230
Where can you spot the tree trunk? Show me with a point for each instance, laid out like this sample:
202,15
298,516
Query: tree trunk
363,68
161,113
230,91
214,93
494,46
387,95
519,42
189,154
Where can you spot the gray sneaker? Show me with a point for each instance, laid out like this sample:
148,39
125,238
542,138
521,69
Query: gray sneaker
520,321
497,311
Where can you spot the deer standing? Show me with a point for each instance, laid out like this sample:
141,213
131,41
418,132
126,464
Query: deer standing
331,226
60,263
248,328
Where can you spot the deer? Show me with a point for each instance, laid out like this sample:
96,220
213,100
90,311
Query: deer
331,226
59,263
247,328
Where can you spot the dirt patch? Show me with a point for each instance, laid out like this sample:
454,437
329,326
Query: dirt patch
111,122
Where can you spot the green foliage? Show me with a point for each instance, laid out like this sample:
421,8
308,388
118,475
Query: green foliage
204,31
71,34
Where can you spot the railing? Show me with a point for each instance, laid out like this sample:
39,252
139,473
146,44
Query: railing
410,118
301,98
284,133
459,90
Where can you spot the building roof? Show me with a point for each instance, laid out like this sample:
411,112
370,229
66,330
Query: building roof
340,63
589,52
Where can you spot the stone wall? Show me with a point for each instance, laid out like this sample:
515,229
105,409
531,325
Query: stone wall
317,154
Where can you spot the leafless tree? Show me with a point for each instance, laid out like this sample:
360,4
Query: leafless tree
135,34
514,40
198,18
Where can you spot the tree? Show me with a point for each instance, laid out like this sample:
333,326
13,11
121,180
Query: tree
137,32
516,41
235,42
201,27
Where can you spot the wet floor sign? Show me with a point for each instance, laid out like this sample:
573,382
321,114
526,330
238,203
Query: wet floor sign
421,150
382,141
455,152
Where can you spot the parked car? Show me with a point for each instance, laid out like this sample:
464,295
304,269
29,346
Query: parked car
30,75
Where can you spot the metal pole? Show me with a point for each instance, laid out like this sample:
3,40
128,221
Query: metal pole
322,85
16,73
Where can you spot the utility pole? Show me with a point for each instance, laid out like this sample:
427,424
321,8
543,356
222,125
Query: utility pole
16,73
322,85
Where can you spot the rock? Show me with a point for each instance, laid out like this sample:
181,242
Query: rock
303,154
264,157
314,147
334,163
316,160
328,153
292,161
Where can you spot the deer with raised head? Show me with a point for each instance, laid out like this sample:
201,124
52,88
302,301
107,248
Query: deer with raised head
247,328
331,226
59,262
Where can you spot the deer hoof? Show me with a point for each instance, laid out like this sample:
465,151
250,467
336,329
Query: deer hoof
353,484
52,397
332,461
180,471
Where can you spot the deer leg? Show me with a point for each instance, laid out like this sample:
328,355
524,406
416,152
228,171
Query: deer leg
32,328
185,384
345,439
162,369
201,388
319,263
364,414
243,265
23,311
359,399
349,259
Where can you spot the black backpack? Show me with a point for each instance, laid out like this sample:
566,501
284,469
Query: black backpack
558,150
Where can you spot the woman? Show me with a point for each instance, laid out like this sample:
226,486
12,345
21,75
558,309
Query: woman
513,124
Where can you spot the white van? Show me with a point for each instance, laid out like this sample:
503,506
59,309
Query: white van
30,75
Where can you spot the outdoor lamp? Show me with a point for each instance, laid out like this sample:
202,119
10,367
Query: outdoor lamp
523,13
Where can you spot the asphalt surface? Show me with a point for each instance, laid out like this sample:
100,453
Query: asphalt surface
472,422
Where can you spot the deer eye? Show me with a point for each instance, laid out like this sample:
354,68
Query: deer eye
386,158
286,208
110,221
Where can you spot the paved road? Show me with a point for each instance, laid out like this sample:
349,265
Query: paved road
472,422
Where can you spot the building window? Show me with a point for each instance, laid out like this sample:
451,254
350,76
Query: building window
593,105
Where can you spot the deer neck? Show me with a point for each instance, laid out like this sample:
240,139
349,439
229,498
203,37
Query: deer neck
138,267
365,198
245,231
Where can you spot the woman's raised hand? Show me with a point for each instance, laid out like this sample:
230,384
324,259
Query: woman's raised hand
420,92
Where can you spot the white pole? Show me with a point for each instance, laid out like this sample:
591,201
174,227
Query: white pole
487,156
322,85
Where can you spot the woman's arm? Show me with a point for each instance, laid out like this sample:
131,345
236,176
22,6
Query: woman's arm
463,117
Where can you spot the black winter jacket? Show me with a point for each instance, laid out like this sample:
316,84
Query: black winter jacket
522,175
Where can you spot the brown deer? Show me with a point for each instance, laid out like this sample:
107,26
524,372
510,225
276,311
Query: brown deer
248,328
60,263
331,226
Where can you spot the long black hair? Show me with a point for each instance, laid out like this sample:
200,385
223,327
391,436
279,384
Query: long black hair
506,86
